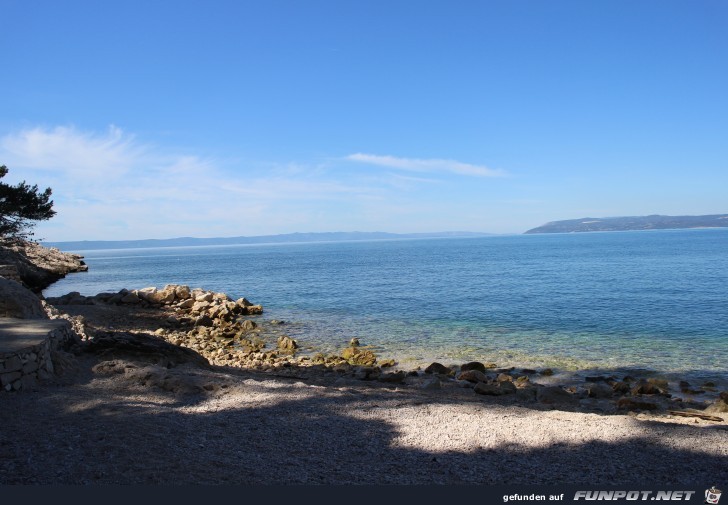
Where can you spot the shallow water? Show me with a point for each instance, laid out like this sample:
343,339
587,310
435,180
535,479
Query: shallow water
656,300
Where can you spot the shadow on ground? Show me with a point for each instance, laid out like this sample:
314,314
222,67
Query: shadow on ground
111,427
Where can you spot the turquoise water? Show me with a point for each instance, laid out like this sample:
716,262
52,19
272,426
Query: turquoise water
656,300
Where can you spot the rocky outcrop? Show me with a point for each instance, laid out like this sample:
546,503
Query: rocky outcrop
36,266
17,301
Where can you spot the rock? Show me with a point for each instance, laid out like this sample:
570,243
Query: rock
634,404
522,381
163,297
719,406
431,384
395,377
200,306
437,368
495,389
502,377
182,292
243,302
204,321
620,387
130,299
526,394
365,372
358,356
186,304
354,342
547,372
599,390
206,296
646,388
248,325
473,375
552,395
19,302
146,293
473,365
660,383
387,363
507,387
287,343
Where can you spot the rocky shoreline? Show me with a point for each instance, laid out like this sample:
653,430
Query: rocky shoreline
176,385
232,333
35,266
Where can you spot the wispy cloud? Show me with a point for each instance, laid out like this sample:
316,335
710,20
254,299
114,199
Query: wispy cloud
426,165
74,152
110,185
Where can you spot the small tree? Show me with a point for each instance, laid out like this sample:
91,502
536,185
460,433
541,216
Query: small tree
20,206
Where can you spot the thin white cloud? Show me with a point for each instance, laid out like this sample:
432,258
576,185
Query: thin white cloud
426,165
77,153
108,185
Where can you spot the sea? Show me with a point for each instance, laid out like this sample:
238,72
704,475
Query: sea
612,302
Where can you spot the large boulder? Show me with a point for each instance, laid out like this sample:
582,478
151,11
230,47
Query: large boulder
18,301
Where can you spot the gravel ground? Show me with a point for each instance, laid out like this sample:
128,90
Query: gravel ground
124,421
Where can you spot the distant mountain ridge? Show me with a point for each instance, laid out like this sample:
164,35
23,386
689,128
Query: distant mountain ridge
86,245
654,222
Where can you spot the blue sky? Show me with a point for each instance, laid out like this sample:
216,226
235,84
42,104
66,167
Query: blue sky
222,118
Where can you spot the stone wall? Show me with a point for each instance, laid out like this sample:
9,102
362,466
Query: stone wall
23,368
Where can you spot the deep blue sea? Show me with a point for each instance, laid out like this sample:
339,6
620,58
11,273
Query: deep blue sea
655,300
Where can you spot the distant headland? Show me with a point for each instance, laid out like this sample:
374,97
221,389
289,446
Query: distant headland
654,222
286,238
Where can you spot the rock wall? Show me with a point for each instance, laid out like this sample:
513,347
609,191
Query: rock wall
22,369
